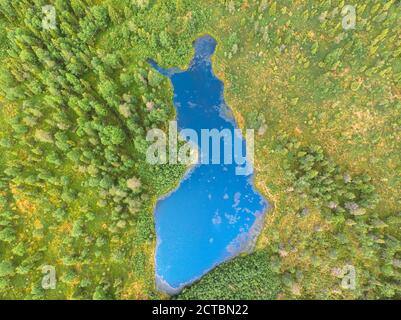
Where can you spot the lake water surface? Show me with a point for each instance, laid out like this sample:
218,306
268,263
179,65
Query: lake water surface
214,214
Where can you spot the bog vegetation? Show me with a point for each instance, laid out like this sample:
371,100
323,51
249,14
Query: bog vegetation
77,99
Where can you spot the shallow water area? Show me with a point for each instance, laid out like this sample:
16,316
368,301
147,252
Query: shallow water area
215,213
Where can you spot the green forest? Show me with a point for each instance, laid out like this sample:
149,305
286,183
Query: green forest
77,97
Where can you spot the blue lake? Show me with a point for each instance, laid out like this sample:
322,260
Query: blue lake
214,214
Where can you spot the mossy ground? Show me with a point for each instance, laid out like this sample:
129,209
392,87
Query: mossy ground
288,67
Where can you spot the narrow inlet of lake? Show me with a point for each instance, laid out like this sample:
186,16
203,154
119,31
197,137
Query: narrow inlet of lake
215,213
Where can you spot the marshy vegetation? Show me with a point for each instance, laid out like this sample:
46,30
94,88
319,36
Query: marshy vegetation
76,101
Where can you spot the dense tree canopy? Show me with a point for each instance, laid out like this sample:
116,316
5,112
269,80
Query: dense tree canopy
78,96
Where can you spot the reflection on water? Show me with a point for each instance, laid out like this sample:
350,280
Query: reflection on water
214,214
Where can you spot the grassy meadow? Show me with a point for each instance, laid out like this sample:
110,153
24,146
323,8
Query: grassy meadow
76,102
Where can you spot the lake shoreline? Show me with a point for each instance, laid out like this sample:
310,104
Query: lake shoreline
247,234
